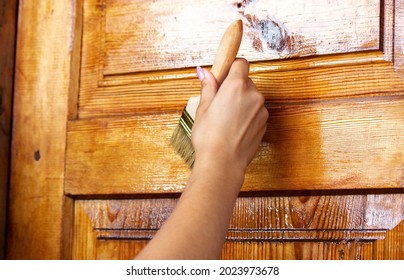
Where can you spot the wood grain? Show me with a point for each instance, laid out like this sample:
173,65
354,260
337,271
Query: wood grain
38,217
261,227
325,77
121,46
390,248
145,36
319,145
232,250
75,51
349,104
8,21
399,37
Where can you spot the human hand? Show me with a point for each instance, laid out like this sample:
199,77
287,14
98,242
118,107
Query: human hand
228,128
230,121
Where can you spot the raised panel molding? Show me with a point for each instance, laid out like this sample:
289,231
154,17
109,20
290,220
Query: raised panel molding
148,65
345,218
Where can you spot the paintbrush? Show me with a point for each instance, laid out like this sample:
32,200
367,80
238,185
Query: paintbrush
225,55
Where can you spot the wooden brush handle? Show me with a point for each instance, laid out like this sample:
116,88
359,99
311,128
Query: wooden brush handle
224,58
227,51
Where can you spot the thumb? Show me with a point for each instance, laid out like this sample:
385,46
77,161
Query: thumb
208,88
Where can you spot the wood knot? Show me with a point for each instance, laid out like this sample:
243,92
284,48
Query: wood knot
264,31
37,155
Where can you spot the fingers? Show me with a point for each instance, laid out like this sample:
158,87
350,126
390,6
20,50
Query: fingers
208,89
239,68
237,81
231,120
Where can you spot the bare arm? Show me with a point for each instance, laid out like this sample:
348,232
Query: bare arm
228,129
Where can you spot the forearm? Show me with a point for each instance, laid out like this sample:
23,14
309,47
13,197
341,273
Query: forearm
197,227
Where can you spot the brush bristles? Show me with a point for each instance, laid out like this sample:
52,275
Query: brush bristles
183,145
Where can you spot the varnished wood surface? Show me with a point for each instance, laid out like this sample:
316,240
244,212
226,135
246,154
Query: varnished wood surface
121,46
153,36
340,226
8,17
108,111
390,248
320,145
38,219
399,37
326,77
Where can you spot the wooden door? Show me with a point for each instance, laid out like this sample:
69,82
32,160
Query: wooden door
100,85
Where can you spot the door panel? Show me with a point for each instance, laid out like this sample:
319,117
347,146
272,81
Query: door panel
338,112
339,226
316,145
100,85
138,53
140,36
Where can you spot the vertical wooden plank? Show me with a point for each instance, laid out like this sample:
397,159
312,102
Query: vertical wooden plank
8,14
85,240
75,48
387,29
399,37
43,73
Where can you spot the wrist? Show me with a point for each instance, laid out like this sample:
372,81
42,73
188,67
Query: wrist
228,175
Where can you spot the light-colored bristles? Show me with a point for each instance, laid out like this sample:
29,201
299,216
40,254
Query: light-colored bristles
183,145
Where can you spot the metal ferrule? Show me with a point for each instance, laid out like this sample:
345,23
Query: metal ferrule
186,122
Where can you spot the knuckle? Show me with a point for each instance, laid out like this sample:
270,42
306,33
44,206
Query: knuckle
240,67
266,114
260,99
242,62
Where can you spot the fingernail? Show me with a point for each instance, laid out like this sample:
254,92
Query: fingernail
199,72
